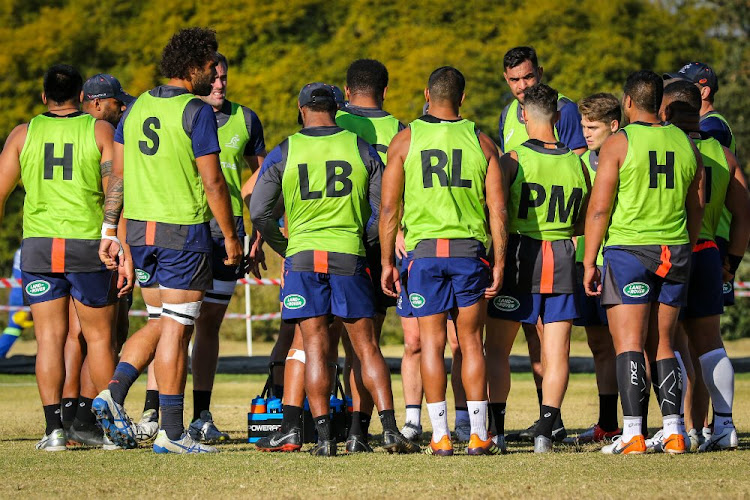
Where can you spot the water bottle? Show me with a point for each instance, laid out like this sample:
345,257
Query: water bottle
273,405
258,405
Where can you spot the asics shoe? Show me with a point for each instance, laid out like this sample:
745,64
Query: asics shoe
594,434
500,443
674,444
114,420
324,449
395,442
725,440
656,443
636,446
463,431
205,431
558,435
145,430
54,441
411,431
443,448
707,432
357,444
695,440
478,446
281,441
186,444
542,444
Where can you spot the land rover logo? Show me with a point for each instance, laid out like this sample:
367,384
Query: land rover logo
636,289
506,303
142,275
37,288
727,287
294,301
417,301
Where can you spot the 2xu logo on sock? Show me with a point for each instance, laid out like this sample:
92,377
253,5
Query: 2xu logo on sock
633,373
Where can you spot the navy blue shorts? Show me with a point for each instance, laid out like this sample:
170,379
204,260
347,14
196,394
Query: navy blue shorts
705,297
592,312
221,271
529,307
308,294
728,287
168,268
93,289
625,280
438,284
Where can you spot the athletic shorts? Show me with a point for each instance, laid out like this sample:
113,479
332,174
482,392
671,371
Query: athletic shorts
308,294
168,268
627,280
705,297
592,312
438,284
382,301
403,306
224,277
93,289
728,287
530,307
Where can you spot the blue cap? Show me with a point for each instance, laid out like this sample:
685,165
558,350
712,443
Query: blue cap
696,72
104,86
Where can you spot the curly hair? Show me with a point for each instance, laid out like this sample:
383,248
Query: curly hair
188,49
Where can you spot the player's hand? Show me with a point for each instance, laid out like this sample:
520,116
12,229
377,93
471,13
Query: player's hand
592,281
726,274
257,257
233,248
400,245
126,275
283,272
389,279
498,273
108,250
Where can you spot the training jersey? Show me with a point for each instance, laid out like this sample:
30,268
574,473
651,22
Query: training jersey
716,185
568,129
547,191
62,210
715,125
444,186
375,126
163,133
654,179
591,160
330,182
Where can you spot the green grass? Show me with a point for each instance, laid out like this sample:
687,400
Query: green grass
241,471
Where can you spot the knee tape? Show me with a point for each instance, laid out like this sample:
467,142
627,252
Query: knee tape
184,313
296,355
221,292
153,312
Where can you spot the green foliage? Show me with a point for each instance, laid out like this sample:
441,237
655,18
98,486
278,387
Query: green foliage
274,48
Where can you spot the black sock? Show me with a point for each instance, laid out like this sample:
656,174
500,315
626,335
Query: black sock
323,426
608,412
171,407
52,418
364,423
539,397
655,382
497,419
547,417
291,417
124,376
558,424
84,415
356,427
388,420
152,400
69,408
644,414
669,383
630,367
278,391
201,402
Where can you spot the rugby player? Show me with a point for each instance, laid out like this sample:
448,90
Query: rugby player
444,170
540,279
724,189
600,118
167,143
331,195
64,158
521,70
649,182
242,145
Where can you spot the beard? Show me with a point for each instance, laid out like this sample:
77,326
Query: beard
203,83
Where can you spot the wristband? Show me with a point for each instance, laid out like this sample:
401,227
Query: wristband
734,262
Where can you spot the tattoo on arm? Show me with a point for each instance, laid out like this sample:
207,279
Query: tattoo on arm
106,169
113,200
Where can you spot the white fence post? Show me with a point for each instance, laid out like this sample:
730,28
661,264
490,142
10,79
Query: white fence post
248,306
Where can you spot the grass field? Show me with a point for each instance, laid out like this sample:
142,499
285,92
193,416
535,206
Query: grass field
240,471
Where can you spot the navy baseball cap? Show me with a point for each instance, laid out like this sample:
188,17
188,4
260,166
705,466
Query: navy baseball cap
325,93
338,96
696,72
104,86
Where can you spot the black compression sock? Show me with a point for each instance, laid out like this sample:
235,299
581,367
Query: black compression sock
52,418
323,426
388,420
201,402
152,401
608,412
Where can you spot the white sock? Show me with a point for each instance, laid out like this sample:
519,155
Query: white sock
462,416
414,415
478,418
671,425
631,426
718,375
439,419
